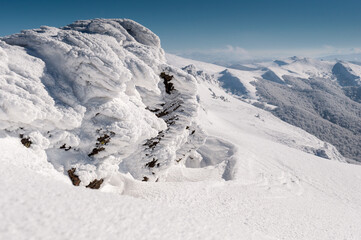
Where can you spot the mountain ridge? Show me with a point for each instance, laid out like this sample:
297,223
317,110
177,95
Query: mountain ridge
321,97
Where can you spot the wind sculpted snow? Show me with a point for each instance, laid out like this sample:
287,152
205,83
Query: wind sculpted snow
84,93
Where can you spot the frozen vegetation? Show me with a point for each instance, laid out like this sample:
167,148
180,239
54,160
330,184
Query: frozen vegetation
320,107
325,104
176,148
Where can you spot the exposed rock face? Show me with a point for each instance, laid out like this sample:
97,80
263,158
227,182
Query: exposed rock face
73,177
95,184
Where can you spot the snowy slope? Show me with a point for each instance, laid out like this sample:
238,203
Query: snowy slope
245,77
321,97
227,169
301,67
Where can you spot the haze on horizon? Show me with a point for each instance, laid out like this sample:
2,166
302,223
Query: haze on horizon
213,30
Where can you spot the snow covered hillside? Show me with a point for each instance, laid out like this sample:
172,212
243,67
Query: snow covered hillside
176,147
321,97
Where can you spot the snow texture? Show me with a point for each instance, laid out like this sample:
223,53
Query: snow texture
181,156
87,88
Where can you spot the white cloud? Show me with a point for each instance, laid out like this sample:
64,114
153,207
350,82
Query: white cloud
232,54
356,50
226,54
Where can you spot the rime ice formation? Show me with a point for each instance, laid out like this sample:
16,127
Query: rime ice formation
89,95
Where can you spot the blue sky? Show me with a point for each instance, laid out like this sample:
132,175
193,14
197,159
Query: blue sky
212,28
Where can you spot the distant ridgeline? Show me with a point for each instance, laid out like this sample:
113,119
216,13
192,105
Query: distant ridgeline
321,97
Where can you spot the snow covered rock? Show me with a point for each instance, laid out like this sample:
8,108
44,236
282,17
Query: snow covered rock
83,93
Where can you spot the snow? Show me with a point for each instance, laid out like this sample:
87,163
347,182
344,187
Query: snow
245,77
354,69
227,169
292,195
89,80
308,67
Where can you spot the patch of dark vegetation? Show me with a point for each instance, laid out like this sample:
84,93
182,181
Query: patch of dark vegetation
151,143
25,141
152,163
95,184
166,76
96,151
171,120
176,107
162,113
167,110
64,147
145,179
169,87
102,141
73,177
